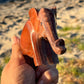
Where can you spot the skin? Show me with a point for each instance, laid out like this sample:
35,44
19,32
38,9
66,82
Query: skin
17,71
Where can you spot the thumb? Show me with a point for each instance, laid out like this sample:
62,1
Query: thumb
16,51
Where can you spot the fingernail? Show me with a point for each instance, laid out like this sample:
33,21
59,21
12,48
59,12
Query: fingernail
41,82
14,40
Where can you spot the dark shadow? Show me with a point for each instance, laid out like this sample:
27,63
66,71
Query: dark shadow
3,22
57,2
26,8
58,18
3,1
72,17
0,32
73,35
28,1
7,29
79,5
64,21
10,17
19,20
7,53
22,4
20,32
0,46
29,61
12,0
76,55
69,8
12,25
80,1
59,27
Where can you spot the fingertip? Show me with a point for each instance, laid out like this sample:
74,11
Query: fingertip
16,51
40,70
15,44
50,76
43,68
15,40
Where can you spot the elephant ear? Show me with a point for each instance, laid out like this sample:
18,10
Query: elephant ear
33,14
54,11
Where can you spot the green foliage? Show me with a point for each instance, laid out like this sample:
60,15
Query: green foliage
74,40
70,82
71,42
63,34
61,59
1,68
75,71
61,68
82,75
78,28
68,28
81,46
72,71
6,59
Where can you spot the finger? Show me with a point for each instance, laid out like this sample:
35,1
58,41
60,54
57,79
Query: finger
16,51
41,69
49,77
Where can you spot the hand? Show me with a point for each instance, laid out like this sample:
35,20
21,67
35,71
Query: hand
17,71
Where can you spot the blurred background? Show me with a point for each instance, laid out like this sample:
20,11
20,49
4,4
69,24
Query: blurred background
70,27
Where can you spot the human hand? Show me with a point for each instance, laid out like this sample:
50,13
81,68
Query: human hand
17,71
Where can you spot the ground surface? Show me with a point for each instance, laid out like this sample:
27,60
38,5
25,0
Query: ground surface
70,24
